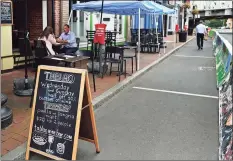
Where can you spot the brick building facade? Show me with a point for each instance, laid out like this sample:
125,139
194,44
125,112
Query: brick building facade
37,18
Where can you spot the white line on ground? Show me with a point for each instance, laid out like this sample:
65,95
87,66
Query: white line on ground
206,68
175,92
186,56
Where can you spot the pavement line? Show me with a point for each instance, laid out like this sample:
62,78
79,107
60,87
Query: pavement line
185,56
175,92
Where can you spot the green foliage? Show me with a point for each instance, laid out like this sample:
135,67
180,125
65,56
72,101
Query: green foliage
216,23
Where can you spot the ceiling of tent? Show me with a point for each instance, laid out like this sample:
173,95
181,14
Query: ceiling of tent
120,7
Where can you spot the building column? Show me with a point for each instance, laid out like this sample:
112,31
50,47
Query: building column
44,13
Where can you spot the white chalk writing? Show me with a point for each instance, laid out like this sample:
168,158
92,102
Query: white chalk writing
59,77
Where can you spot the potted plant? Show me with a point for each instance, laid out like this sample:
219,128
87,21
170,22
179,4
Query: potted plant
186,5
195,11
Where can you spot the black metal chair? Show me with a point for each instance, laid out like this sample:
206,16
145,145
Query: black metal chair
42,51
133,56
90,38
109,51
90,54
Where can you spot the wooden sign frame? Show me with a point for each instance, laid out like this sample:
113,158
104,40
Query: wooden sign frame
9,24
85,91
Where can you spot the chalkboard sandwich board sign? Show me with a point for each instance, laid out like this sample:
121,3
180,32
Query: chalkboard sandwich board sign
62,113
6,13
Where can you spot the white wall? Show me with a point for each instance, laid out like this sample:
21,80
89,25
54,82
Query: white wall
211,5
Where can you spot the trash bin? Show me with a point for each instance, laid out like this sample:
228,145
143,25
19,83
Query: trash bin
182,36
190,31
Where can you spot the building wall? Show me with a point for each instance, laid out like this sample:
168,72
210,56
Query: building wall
64,11
35,22
212,5
57,17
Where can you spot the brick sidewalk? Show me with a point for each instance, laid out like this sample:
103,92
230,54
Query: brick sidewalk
16,134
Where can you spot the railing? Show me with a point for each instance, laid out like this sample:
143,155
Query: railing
224,73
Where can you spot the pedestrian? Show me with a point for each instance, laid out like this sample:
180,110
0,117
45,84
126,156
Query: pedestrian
200,32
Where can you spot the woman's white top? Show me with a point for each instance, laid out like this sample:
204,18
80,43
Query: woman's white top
49,43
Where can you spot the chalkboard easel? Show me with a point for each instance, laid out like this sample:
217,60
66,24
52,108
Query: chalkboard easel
62,113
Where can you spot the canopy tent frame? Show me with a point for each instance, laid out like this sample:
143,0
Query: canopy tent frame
151,6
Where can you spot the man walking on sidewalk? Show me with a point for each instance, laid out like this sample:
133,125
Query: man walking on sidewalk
201,31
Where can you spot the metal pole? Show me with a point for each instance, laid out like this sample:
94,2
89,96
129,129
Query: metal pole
25,42
163,36
139,38
156,27
102,8
53,23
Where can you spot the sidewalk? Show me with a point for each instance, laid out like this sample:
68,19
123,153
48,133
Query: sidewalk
16,134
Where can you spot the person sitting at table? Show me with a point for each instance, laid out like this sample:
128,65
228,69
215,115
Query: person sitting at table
69,40
48,36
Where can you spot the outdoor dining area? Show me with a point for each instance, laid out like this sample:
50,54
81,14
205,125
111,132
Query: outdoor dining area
101,60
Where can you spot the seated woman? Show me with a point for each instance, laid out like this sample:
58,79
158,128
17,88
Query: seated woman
48,36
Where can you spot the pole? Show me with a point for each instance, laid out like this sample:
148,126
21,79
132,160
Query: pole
163,37
139,38
25,42
156,27
102,8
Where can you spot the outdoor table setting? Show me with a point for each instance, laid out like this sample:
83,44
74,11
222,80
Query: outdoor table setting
67,59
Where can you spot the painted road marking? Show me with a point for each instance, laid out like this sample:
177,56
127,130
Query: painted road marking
175,92
185,56
206,68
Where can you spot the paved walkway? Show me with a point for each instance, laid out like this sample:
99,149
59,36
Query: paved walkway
16,134
170,113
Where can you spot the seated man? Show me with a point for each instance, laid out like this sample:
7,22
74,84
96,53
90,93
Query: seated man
68,38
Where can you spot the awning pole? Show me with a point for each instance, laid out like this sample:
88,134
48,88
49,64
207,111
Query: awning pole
156,27
139,37
173,18
163,37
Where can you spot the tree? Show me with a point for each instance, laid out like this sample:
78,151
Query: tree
215,23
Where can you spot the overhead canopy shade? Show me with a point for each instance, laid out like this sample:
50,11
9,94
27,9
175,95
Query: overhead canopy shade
120,7
165,9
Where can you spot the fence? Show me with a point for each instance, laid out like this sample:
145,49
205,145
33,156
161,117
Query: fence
223,53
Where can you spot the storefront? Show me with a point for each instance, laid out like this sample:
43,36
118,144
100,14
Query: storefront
31,16
54,13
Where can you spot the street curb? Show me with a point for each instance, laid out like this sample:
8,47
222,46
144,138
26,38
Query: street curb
19,152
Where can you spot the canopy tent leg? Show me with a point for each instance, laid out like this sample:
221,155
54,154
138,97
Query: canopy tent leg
156,29
174,32
139,39
163,36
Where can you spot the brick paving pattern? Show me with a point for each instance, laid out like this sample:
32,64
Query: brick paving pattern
16,134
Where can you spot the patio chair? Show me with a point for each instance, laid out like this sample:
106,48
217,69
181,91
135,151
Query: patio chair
41,51
133,56
90,54
109,51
